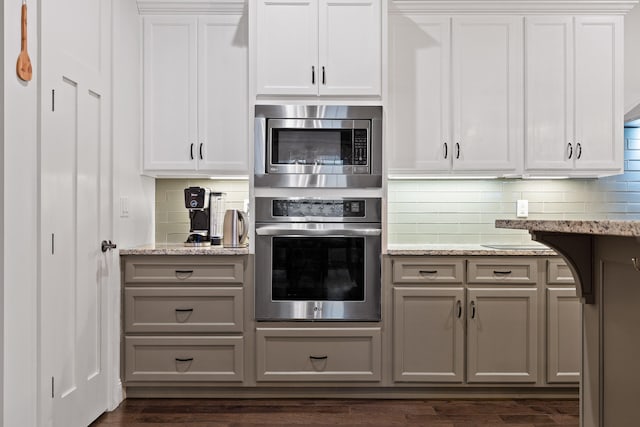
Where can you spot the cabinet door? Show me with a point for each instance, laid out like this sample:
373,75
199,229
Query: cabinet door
287,47
170,93
502,335
419,95
487,87
599,79
223,98
564,336
549,93
428,331
350,47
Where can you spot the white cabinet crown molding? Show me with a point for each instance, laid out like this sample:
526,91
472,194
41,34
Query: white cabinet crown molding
175,7
610,7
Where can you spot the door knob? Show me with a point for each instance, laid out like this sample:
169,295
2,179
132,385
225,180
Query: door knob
108,245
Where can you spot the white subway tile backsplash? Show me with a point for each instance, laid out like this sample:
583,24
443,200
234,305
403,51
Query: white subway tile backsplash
172,218
474,205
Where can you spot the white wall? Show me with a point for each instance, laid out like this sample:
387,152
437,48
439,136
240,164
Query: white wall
632,59
2,216
20,162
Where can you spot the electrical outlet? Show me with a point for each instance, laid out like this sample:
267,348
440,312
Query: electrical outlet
522,208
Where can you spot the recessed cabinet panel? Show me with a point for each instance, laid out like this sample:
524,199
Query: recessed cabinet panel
496,271
599,116
287,47
183,309
419,94
564,337
218,270
550,142
184,358
428,270
428,334
558,273
349,354
502,335
170,116
487,101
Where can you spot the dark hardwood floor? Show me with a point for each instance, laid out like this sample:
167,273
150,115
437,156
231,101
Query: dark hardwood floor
345,412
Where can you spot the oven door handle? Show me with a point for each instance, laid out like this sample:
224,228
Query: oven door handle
289,232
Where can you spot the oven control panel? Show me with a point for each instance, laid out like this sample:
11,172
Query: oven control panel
346,208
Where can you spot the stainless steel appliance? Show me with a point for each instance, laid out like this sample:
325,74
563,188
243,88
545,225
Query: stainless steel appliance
236,228
318,146
318,259
205,207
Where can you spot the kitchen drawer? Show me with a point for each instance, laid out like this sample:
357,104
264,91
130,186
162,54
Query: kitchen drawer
422,270
558,273
180,269
210,310
500,270
184,359
322,354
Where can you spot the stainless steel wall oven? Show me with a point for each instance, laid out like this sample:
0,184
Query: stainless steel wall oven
318,259
318,146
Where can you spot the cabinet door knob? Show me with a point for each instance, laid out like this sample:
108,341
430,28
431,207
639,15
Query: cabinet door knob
579,147
457,150
313,75
473,309
324,77
200,151
570,150
446,150
459,307
191,151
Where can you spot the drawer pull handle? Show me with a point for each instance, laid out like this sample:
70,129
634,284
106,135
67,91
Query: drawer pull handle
318,357
188,359
501,271
183,274
428,271
184,310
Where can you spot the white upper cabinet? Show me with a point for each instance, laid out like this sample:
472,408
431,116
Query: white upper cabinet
469,65
195,95
574,119
318,47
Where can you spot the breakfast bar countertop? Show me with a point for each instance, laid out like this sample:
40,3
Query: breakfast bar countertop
179,249
599,227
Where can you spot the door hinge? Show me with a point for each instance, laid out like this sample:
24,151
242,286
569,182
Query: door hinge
53,100
52,387
53,243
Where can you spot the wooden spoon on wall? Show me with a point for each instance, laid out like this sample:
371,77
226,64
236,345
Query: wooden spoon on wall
23,67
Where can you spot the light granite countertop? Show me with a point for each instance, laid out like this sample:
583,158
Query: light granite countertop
532,249
599,227
177,249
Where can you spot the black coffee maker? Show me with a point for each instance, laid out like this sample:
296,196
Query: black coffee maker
202,216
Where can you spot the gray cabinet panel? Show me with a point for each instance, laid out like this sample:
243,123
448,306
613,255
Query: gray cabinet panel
564,345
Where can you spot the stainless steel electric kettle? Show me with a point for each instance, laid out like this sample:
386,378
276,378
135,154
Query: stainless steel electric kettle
235,229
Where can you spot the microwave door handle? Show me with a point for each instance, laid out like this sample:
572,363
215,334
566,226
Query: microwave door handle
288,232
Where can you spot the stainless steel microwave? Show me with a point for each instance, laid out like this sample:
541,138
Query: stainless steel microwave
318,146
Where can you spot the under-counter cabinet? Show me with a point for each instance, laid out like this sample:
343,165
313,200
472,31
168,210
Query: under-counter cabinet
318,47
573,86
564,325
195,105
478,320
455,94
183,319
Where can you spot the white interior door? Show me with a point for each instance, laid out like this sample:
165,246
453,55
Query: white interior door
76,212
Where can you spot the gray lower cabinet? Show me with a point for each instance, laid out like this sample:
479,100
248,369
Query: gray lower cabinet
183,319
564,325
479,320
319,354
